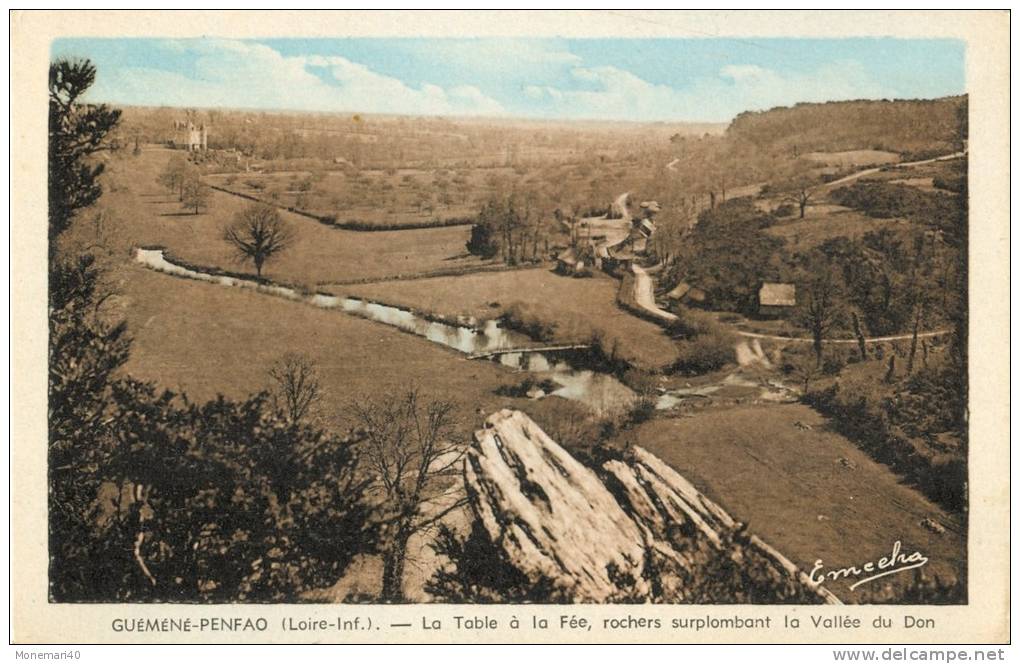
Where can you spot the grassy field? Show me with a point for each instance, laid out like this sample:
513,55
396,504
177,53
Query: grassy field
143,213
207,340
579,304
394,196
810,493
829,221
851,158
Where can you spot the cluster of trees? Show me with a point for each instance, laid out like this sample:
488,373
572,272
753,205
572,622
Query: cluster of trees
384,141
728,255
883,283
155,498
942,211
184,179
515,227
919,127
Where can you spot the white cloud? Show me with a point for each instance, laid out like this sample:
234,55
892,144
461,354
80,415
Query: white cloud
538,78
514,58
239,74
613,93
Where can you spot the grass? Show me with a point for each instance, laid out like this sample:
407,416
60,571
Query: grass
205,340
576,306
143,213
854,157
792,488
371,196
827,222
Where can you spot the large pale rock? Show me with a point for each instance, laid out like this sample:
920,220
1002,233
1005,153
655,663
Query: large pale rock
591,536
552,515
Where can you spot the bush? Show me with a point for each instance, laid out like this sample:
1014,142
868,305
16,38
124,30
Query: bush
642,410
954,183
785,210
523,318
640,381
834,360
702,354
703,344
690,323
522,388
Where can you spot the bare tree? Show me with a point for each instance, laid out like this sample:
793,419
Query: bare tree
258,233
298,391
799,192
806,369
407,445
798,184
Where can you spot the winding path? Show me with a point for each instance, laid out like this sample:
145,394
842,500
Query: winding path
867,340
644,294
907,164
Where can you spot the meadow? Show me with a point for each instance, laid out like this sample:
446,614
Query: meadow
143,213
810,492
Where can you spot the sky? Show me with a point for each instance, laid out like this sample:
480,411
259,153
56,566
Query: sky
697,80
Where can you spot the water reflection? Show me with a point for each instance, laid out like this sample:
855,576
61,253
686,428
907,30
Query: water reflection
602,392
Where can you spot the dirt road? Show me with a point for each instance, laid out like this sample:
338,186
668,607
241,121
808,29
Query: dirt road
644,294
908,164
867,340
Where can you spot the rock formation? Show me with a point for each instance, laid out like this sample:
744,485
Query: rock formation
628,530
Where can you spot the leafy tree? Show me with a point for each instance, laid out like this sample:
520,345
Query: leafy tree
728,255
194,193
482,242
219,502
76,132
258,233
85,353
86,349
174,175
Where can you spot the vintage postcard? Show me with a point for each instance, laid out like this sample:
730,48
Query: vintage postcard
389,327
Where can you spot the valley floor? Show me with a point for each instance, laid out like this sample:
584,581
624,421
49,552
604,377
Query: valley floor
805,489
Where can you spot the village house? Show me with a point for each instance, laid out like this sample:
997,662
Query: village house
687,294
775,299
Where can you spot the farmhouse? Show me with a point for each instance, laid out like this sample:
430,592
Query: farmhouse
687,294
776,298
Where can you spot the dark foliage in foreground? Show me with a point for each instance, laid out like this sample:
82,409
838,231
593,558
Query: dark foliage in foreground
157,499
153,498
76,131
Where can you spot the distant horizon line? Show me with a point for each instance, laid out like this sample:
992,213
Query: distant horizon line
521,118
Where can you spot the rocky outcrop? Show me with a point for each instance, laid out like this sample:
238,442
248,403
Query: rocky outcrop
628,529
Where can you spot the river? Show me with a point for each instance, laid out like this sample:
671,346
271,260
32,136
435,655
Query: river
602,392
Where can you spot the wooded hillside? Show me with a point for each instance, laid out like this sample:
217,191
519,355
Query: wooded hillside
915,127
